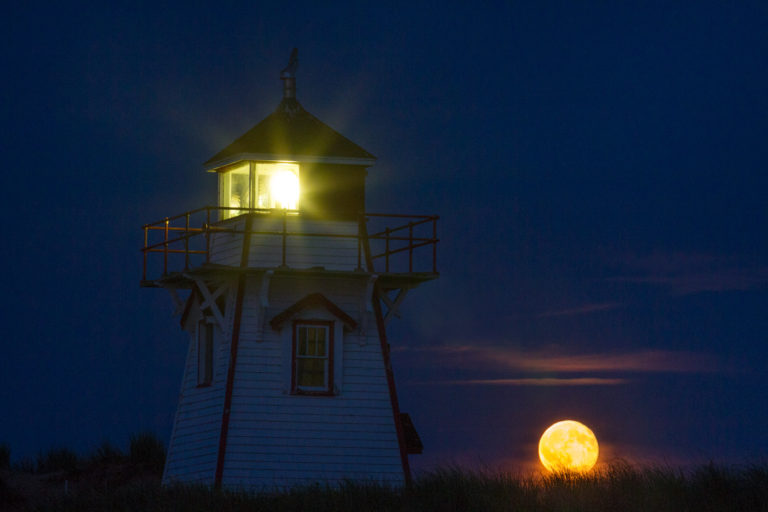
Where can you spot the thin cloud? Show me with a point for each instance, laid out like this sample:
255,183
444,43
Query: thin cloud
581,310
689,273
504,358
543,381
723,281
646,361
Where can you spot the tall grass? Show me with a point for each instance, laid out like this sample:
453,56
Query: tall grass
147,451
57,459
109,479
619,487
5,456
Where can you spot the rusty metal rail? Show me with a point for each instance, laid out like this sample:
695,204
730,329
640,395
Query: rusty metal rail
189,234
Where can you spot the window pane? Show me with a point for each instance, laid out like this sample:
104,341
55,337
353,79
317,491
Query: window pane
302,348
224,187
321,342
310,372
277,185
262,190
311,334
235,189
311,358
240,189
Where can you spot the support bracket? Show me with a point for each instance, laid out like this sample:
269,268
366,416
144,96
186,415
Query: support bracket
393,305
209,298
177,302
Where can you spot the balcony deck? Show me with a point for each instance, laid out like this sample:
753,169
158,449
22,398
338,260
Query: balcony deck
192,243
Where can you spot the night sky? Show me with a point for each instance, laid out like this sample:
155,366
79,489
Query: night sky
599,170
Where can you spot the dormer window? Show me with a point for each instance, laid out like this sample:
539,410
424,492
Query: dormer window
313,344
264,185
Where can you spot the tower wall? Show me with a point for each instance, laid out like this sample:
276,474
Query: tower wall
194,443
276,438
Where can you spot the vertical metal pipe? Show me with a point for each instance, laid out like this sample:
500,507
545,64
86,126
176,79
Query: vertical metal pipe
359,243
165,251
186,241
434,245
236,323
146,239
207,234
410,247
285,229
386,250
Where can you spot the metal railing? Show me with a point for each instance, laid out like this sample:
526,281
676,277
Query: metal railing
183,241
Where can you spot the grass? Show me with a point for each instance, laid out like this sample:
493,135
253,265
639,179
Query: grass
617,488
147,451
111,480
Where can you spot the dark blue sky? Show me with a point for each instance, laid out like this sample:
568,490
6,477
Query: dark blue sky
599,170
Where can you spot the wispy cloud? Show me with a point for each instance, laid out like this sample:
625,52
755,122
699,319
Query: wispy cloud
543,381
688,273
686,284
581,310
545,361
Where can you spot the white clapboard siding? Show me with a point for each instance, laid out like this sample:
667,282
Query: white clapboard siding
193,448
276,439
279,439
227,248
301,252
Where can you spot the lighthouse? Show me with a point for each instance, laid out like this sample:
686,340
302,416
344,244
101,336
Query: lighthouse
285,288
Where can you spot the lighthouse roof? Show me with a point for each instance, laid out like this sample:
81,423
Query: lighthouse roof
292,133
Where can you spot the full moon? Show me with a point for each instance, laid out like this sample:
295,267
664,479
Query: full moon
568,446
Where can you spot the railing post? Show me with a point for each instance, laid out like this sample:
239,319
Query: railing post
410,246
359,243
165,247
285,229
207,234
146,240
434,245
186,241
386,249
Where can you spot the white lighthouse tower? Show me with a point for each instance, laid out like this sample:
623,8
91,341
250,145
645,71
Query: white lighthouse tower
285,288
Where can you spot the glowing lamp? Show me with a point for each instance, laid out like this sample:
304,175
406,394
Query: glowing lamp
284,189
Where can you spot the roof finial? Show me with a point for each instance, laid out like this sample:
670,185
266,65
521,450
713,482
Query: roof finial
288,76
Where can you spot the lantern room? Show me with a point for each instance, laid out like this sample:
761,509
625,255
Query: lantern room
292,161
295,188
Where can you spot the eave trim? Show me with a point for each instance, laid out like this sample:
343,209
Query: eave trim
311,301
266,157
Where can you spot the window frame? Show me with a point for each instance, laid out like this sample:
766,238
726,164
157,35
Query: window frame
255,170
225,189
328,389
205,355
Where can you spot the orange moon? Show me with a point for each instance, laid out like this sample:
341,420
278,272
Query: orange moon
568,446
